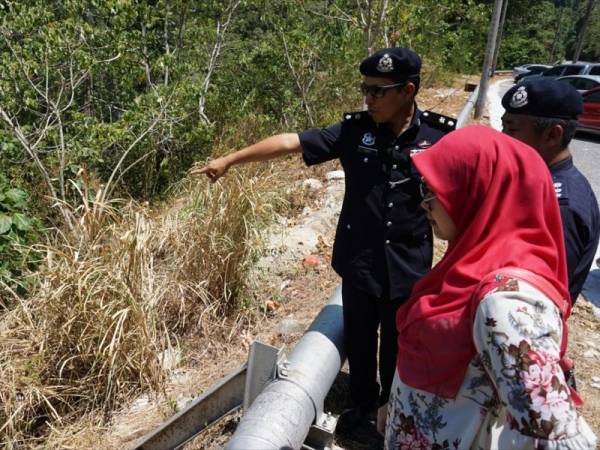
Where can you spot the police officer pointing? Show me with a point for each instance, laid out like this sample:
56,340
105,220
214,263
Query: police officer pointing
383,241
543,113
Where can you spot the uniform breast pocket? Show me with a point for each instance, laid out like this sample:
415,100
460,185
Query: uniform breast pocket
365,156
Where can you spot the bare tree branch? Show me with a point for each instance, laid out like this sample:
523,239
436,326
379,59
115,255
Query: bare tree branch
212,62
302,88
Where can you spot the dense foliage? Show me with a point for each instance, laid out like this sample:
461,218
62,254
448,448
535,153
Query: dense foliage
134,92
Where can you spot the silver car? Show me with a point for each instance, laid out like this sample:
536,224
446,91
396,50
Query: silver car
582,82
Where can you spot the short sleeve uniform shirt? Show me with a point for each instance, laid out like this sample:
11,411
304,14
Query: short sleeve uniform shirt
383,241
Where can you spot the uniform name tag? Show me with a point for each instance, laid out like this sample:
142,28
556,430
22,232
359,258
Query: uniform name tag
366,150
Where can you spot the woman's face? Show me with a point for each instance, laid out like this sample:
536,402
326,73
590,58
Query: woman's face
442,224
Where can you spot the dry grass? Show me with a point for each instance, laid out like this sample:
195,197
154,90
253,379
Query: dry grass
112,295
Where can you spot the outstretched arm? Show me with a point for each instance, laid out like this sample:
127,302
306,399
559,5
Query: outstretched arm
272,147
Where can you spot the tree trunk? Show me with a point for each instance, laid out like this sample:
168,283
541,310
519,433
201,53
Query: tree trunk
557,33
487,61
581,35
499,40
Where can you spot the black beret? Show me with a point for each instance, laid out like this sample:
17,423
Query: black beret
395,63
543,97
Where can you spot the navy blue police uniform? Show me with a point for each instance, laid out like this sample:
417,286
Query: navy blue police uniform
578,205
581,221
383,243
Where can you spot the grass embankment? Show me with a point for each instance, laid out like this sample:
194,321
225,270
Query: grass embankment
118,290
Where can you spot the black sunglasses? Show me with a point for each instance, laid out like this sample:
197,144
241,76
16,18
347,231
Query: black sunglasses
376,90
426,193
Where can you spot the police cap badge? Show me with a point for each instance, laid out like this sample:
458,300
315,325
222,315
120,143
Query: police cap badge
543,98
396,63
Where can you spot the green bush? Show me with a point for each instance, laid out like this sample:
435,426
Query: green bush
18,229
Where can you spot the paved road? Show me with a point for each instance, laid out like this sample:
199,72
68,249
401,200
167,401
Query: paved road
586,155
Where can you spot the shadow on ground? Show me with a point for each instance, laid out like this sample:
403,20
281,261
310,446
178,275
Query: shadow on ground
591,288
365,438
589,137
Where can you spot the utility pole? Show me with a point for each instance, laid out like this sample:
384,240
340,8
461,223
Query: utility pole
581,34
487,61
499,40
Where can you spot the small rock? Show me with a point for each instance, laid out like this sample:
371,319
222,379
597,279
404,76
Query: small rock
288,327
595,385
183,401
284,284
311,261
140,404
169,359
596,379
335,175
596,312
306,211
590,354
312,184
271,306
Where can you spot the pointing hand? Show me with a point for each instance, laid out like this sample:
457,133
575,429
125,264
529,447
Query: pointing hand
214,169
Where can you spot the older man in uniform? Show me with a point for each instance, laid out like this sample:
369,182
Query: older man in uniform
383,241
543,113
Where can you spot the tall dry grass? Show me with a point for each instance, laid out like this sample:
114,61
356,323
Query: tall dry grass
115,293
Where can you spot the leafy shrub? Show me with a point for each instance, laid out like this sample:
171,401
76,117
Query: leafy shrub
18,229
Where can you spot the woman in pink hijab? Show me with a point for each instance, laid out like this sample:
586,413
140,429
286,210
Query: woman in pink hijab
482,338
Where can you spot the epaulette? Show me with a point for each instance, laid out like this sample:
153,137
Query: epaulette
356,116
439,121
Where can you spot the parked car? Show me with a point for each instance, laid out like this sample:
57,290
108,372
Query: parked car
562,70
582,83
589,119
520,72
529,69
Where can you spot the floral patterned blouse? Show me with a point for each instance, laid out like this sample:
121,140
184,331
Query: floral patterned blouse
514,395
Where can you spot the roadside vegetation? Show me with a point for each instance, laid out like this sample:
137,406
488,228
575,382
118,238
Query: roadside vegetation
109,255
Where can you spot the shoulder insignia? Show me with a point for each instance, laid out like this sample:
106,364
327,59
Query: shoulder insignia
439,121
560,187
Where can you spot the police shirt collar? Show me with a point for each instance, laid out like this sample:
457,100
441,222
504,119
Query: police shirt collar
563,164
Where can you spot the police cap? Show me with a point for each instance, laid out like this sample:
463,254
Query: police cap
396,63
543,97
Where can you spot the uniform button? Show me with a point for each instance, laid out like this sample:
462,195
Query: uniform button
348,226
395,166
366,159
390,204
387,241
389,224
425,235
396,147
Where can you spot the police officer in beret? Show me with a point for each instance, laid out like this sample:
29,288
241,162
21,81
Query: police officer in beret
543,113
383,241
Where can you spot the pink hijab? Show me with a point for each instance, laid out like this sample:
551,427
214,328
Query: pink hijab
500,195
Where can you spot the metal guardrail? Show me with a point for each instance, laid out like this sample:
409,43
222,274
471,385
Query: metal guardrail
296,387
463,117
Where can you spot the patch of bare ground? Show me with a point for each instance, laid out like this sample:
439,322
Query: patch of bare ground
291,291
584,349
